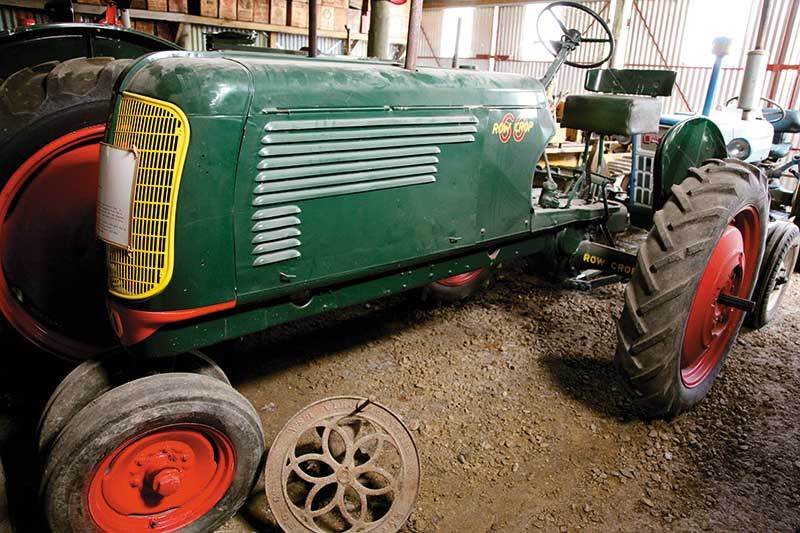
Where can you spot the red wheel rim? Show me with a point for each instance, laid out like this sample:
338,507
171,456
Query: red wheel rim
460,279
163,480
731,270
48,248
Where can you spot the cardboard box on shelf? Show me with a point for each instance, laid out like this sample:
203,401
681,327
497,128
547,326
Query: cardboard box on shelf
261,11
244,10
227,9
298,14
331,18
138,4
278,12
336,3
178,6
146,26
354,20
157,5
209,8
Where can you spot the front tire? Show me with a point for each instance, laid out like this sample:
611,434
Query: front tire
94,377
780,258
164,452
673,335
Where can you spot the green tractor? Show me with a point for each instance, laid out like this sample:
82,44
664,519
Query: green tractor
242,190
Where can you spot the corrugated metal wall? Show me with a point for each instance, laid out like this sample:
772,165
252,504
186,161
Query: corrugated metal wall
656,35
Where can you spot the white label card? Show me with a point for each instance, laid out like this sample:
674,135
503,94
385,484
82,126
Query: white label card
115,194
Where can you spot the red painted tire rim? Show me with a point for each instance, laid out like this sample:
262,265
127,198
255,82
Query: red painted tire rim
67,165
163,480
460,279
711,325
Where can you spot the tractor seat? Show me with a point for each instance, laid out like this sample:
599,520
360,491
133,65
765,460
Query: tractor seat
631,108
788,124
611,114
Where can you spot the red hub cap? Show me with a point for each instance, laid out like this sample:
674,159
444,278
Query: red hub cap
162,481
711,324
460,279
51,281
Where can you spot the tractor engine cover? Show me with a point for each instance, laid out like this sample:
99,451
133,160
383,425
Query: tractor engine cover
276,175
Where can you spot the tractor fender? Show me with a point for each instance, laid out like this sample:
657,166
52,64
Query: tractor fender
687,144
33,45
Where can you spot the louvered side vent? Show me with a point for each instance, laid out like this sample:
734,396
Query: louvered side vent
276,235
305,159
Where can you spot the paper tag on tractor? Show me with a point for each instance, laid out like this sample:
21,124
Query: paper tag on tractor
115,190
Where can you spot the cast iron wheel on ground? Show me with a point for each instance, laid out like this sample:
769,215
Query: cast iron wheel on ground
674,335
780,258
95,377
161,453
52,286
458,287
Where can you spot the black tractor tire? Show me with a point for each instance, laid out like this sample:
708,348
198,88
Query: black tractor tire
38,105
780,260
670,265
138,409
439,293
93,378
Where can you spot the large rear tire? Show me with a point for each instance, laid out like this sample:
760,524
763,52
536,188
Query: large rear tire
674,334
52,118
161,453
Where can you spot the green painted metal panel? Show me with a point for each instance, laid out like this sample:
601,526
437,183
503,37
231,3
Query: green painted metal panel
685,145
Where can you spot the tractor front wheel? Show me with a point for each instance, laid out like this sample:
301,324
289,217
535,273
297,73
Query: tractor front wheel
168,452
95,377
708,239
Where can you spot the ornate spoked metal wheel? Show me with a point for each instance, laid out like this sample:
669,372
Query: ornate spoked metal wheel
162,453
51,268
696,271
343,465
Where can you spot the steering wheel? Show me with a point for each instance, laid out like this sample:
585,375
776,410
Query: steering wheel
574,37
778,107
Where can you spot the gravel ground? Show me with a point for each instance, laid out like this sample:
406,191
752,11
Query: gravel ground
520,419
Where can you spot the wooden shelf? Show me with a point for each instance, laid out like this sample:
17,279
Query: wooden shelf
166,16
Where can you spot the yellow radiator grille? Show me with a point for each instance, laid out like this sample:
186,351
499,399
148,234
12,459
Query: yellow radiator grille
159,132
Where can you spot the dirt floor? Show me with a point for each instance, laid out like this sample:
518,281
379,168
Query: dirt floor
520,419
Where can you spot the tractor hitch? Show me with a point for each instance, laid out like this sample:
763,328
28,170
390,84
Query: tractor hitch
594,256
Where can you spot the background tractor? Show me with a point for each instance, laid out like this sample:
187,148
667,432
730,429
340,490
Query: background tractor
240,190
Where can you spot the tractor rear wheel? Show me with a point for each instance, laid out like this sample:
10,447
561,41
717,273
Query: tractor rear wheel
52,119
161,453
780,258
674,333
458,287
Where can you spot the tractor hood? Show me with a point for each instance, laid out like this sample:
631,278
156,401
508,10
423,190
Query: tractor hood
215,83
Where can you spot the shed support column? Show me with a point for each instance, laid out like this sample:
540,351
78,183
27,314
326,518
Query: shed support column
379,26
620,24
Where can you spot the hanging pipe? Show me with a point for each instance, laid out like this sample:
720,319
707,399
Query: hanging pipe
720,49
